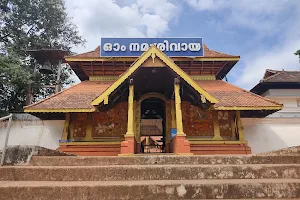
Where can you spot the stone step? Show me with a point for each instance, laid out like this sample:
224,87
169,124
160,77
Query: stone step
158,189
148,172
161,160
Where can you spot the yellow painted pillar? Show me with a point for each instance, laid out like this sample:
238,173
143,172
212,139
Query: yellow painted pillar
89,128
147,144
168,122
137,118
66,127
134,119
217,133
128,145
130,112
239,125
173,122
180,145
179,125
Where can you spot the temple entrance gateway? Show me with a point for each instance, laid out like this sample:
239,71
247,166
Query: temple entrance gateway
153,126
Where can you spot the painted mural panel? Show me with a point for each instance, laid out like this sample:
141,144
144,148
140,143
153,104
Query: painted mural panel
196,121
224,118
78,124
112,123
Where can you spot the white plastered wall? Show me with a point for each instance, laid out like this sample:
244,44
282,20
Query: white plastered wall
45,133
269,134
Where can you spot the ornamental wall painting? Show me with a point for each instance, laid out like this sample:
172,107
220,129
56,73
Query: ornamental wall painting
224,118
79,123
112,123
196,121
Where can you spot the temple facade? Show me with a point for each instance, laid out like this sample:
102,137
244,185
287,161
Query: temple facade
180,104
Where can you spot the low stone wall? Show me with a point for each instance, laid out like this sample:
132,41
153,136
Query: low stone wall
21,155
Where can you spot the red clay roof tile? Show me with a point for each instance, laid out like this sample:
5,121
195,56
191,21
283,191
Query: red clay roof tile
78,96
232,96
81,95
282,77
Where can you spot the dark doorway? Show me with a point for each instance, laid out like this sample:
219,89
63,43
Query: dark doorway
153,125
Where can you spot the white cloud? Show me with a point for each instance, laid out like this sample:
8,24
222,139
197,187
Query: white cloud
265,19
162,8
202,5
259,15
106,18
278,57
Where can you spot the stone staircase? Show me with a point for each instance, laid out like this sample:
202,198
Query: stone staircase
153,177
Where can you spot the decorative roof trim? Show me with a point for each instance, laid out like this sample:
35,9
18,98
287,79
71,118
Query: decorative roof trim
249,108
67,110
153,52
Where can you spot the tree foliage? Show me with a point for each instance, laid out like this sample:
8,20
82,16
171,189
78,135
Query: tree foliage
13,78
297,53
24,25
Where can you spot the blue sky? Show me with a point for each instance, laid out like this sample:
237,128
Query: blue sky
265,33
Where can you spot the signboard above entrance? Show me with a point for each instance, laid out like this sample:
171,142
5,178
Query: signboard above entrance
134,47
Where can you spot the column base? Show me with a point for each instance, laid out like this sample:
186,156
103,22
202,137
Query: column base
217,138
127,146
181,145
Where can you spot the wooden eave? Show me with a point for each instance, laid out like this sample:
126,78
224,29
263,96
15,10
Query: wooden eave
85,69
262,87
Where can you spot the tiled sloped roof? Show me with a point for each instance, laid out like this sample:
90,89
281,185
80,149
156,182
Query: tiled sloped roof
232,96
81,95
207,53
283,77
214,54
90,54
78,96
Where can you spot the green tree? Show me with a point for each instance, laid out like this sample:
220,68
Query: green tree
297,53
13,78
31,24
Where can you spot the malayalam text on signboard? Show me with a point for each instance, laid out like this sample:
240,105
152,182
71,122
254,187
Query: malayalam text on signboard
134,47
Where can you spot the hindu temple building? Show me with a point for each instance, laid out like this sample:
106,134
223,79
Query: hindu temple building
177,102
